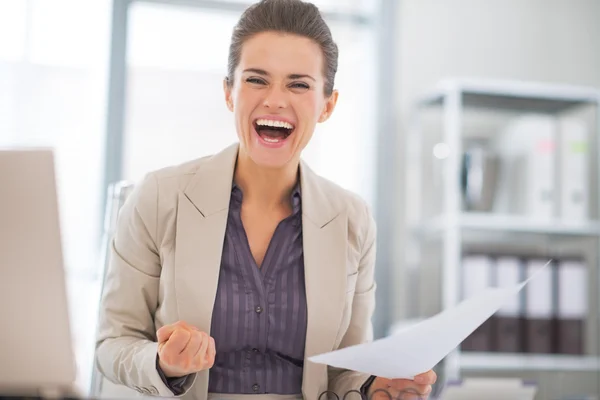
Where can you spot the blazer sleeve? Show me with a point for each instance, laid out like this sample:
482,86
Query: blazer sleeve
360,329
126,348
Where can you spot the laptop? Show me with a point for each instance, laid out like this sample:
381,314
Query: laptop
35,339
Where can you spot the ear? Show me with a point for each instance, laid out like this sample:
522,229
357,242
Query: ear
227,91
329,106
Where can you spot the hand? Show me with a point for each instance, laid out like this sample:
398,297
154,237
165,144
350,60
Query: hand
403,389
184,349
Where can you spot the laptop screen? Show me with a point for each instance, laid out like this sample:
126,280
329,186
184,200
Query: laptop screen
36,343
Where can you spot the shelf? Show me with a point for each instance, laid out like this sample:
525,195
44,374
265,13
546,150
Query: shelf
507,224
528,362
512,95
456,110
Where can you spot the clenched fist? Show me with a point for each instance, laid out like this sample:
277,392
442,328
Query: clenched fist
183,350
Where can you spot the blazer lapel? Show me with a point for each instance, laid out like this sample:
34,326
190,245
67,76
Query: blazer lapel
325,239
201,222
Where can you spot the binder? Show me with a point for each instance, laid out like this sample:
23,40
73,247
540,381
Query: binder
572,306
526,184
539,309
508,325
574,171
476,276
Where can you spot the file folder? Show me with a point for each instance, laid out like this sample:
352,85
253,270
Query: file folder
539,310
508,336
574,170
572,306
476,277
526,184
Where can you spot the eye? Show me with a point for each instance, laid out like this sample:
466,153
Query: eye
256,81
300,85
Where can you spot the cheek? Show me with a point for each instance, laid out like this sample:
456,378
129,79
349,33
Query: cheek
311,107
243,97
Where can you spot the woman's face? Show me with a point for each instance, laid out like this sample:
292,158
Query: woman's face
277,97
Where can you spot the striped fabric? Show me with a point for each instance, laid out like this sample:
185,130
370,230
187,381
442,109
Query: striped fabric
260,316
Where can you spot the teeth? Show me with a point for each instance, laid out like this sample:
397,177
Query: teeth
275,124
271,140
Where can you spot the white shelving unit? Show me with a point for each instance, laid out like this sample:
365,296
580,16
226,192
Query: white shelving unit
453,226
527,362
506,224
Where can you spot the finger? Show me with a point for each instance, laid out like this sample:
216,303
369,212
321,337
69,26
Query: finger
411,396
212,352
164,332
381,394
426,378
192,346
177,342
414,393
410,387
200,356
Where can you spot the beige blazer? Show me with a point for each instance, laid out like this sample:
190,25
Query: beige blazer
165,261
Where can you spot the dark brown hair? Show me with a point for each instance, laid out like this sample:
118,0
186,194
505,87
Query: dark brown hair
286,16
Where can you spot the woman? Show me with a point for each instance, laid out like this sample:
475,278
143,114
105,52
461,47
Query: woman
227,272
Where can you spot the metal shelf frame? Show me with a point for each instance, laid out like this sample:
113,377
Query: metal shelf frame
528,362
507,223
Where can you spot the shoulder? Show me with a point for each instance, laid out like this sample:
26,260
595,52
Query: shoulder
156,197
361,223
174,179
178,176
167,182
345,199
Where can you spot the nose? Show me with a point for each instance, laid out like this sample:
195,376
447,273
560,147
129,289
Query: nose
275,98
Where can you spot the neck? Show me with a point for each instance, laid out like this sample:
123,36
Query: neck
267,188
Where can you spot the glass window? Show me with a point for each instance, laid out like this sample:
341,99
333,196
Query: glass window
179,38
53,60
69,33
13,31
175,106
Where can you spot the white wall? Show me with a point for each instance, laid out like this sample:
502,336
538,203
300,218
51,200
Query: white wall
541,40
544,40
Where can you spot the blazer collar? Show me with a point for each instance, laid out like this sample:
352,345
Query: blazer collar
319,203
210,188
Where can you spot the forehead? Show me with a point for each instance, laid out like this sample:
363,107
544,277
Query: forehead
279,53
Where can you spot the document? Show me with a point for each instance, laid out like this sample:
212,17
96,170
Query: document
418,348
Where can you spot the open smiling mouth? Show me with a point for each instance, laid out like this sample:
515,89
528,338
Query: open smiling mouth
273,131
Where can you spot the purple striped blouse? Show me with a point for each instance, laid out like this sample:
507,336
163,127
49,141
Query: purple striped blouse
260,316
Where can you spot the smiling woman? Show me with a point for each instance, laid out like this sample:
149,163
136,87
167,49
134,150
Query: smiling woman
280,77
228,271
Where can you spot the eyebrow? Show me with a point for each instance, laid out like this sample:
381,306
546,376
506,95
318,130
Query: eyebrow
290,76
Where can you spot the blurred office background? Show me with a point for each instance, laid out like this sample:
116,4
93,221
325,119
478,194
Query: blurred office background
469,126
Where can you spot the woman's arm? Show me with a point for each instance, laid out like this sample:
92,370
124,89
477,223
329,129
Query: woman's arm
126,342
360,329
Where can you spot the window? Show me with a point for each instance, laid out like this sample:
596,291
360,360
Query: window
53,59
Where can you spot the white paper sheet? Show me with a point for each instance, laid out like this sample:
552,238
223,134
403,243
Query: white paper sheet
420,347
